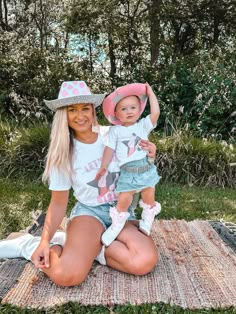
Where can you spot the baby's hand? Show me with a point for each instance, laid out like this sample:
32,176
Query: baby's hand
100,173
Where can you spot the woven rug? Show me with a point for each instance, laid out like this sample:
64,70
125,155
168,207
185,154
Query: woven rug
196,269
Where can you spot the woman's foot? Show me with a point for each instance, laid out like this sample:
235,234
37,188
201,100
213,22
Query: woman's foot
14,248
101,256
25,245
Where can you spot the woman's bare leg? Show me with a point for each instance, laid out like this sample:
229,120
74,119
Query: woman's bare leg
70,266
132,252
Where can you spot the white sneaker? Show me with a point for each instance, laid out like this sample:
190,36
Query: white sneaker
24,246
118,221
30,247
13,248
148,215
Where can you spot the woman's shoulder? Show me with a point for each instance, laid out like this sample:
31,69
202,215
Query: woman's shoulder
103,132
111,130
104,129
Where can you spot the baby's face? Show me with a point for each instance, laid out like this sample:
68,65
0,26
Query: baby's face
128,110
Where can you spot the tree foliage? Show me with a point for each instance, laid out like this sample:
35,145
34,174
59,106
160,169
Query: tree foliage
185,49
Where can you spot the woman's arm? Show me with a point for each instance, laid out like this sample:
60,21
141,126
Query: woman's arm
55,214
149,147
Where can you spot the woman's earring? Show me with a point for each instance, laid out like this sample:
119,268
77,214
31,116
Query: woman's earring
95,128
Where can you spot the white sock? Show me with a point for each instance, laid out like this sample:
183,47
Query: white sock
101,256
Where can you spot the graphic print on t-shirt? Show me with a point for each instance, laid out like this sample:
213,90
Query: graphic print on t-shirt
132,144
106,186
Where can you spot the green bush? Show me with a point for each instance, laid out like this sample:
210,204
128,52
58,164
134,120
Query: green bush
186,159
181,158
199,90
21,99
23,151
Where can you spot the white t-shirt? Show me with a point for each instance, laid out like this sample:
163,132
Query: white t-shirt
87,161
124,140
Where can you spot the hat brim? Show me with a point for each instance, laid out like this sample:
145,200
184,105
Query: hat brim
95,99
110,102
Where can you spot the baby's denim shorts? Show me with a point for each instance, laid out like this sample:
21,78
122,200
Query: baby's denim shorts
137,181
100,212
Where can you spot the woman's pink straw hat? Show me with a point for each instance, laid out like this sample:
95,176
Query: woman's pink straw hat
74,92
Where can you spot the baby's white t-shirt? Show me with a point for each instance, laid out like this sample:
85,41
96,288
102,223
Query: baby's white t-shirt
124,140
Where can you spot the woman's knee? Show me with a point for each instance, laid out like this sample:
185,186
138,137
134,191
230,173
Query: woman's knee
144,263
66,278
63,274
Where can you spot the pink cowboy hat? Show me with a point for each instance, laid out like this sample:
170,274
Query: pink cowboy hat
74,92
110,102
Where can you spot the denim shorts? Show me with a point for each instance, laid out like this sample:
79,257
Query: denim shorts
137,181
100,212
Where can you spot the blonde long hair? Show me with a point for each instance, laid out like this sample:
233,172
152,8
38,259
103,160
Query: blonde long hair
61,148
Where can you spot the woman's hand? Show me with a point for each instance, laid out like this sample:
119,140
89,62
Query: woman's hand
40,257
149,147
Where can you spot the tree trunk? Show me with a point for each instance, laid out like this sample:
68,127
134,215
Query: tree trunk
90,53
3,15
112,58
130,28
154,16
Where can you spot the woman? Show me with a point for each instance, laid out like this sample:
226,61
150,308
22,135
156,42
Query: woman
73,160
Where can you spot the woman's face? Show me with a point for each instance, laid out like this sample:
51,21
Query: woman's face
80,117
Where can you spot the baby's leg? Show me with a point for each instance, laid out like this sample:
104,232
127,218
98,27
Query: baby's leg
150,210
124,201
148,196
119,216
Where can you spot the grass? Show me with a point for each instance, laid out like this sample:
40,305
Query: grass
184,202
19,198
76,308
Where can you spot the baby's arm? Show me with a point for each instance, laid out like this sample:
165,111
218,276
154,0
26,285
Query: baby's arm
106,159
154,105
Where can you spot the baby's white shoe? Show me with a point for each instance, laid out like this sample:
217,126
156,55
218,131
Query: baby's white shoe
118,221
147,217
